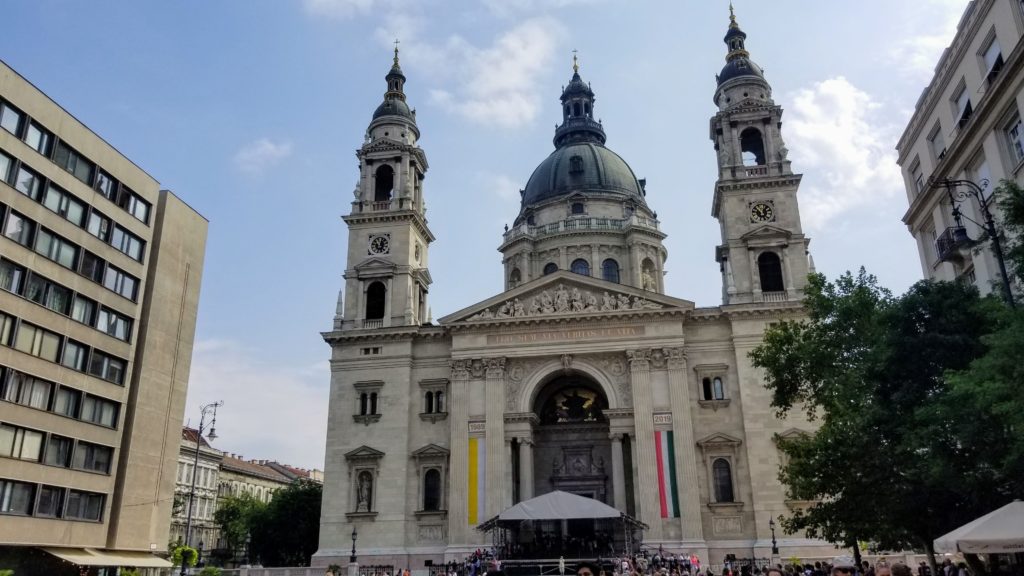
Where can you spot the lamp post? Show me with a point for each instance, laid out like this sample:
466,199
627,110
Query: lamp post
775,545
248,553
959,191
352,558
203,411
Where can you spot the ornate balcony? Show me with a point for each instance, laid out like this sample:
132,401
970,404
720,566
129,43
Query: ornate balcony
774,296
581,224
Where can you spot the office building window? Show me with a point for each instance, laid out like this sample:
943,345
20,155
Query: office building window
27,390
58,451
20,443
56,248
37,342
75,355
99,411
107,367
66,402
63,203
19,228
114,324
92,457
28,183
84,505
121,282
51,502
10,118
79,166
39,138
16,497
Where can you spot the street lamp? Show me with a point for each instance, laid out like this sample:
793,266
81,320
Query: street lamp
959,191
203,411
775,545
352,558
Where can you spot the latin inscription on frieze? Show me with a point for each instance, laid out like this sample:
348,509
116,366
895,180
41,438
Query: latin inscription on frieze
570,334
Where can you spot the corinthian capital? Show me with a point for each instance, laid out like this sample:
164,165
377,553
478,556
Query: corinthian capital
495,367
676,357
460,369
639,358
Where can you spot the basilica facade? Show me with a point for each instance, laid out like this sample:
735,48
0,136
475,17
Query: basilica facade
583,375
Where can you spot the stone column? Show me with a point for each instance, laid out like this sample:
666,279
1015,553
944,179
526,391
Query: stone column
595,261
643,419
685,447
458,417
495,431
755,276
563,262
618,472
636,266
525,469
507,485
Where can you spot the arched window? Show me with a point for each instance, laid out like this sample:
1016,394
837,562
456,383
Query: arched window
578,208
364,405
610,270
706,385
373,402
576,109
769,269
752,147
722,473
384,183
550,268
718,388
376,296
428,403
432,489
567,110
580,266
586,108
439,402
514,278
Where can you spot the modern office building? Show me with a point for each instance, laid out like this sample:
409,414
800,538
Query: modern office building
966,126
99,284
582,376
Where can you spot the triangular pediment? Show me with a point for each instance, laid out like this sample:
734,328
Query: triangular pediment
374,264
565,294
431,451
384,144
767,232
364,453
791,434
719,439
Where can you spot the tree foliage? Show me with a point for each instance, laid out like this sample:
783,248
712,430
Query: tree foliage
185,554
238,517
1011,204
289,532
915,399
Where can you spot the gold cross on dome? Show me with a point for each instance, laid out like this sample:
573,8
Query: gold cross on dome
575,62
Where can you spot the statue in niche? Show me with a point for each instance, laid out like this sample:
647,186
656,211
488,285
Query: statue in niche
648,280
364,492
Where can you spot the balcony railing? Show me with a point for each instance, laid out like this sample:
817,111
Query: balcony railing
377,323
774,296
949,243
581,224
379,206
756,171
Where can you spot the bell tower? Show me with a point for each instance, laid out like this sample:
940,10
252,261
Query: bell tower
763,256
386,276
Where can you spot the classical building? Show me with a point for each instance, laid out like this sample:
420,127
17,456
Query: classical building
966,126
583,375
206,472
253,477
99,284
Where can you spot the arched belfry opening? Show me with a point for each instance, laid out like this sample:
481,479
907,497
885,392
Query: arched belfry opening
384,183
752,147
769,269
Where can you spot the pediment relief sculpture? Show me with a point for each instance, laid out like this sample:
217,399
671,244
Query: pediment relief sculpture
562,300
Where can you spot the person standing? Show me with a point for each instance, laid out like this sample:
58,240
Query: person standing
561,566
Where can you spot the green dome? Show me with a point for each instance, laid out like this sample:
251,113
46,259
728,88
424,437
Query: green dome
597,169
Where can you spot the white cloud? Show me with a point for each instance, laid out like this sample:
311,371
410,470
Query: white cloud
930,30
339,9
261,154
496,85
270,411
511,7
837,138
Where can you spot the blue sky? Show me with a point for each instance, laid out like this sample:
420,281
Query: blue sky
251,112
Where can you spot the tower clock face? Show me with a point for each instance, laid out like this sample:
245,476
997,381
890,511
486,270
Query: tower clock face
762,212
380,244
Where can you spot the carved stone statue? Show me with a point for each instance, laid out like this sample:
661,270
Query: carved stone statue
647,279
561,299
517,308
365,492
622,303
783,152
607,302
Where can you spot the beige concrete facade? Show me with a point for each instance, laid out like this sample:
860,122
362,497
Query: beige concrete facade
583,375
966,126
100,274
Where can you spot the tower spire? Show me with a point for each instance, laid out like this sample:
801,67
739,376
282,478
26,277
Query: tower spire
575,63
396,53
732,17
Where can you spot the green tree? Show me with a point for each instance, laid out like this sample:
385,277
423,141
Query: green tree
891,461
238,518
184,554
289,532
1011,204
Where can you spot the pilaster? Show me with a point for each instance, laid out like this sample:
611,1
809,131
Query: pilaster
685,447
458,406
618,472
495,434
643,406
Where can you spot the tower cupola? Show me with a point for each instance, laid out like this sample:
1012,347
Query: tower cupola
394,103
578,124
739,68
